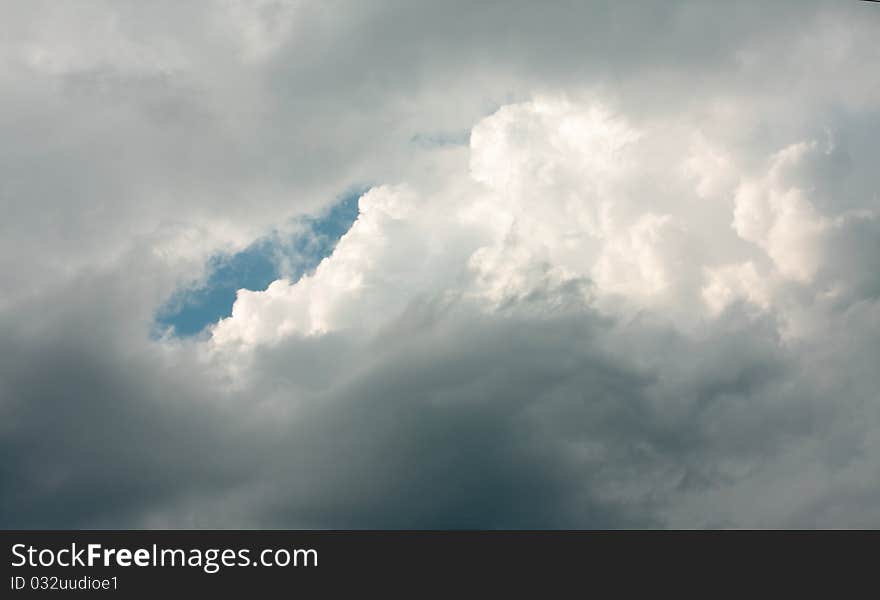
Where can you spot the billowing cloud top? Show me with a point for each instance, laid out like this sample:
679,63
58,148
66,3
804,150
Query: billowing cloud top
643,290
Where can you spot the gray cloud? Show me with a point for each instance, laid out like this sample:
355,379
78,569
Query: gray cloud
530,423
509,370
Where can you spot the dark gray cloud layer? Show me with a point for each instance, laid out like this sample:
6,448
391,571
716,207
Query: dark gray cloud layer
141,138
466,423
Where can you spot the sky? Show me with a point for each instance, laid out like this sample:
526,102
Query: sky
203,302
387,264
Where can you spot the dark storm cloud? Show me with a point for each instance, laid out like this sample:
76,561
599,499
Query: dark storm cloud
455,421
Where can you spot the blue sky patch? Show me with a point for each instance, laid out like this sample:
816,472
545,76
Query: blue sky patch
440,139
190,310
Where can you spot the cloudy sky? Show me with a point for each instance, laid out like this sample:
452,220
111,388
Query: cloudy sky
406,264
